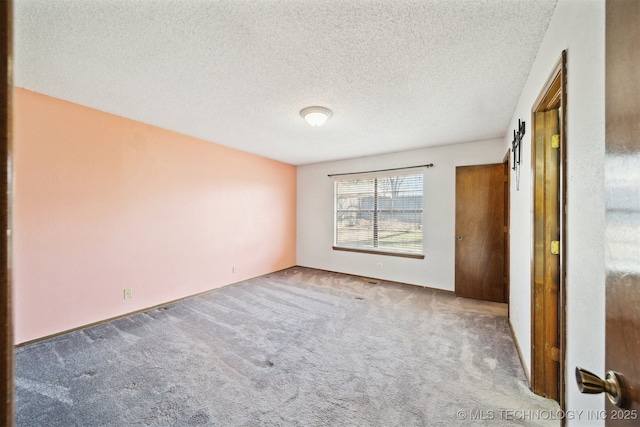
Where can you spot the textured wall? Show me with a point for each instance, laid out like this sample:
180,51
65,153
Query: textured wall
436,270
104,203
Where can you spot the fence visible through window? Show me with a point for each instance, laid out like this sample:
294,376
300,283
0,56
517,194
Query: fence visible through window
380,212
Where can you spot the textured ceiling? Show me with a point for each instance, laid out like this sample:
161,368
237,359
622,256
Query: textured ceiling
398,75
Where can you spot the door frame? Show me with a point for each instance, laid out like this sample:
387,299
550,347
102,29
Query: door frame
507,230
552,95
6,332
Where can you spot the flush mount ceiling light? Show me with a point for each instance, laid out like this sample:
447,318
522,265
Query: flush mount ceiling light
315,116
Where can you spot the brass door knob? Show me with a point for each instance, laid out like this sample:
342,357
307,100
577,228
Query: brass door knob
592,384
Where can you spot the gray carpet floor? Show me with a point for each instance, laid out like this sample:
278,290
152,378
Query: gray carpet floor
300,347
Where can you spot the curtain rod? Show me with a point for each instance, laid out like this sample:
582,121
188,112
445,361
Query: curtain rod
430,165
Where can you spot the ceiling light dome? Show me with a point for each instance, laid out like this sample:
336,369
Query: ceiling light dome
315,116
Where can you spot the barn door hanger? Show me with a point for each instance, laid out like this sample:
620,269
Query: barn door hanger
516,148
515,145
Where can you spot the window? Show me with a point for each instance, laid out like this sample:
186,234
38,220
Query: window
380,213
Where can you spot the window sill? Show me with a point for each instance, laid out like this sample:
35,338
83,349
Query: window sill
378,252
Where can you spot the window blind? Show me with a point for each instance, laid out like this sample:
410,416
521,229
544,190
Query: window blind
380,211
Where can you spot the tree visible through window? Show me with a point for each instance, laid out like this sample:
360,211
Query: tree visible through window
382,212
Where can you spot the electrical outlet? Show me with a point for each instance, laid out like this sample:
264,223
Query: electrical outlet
234,269
127,293
379,266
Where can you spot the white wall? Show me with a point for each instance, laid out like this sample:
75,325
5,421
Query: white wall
578,27
436,270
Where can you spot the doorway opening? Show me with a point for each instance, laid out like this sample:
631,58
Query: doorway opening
547,281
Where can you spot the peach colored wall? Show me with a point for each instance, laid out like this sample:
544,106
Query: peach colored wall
103,203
